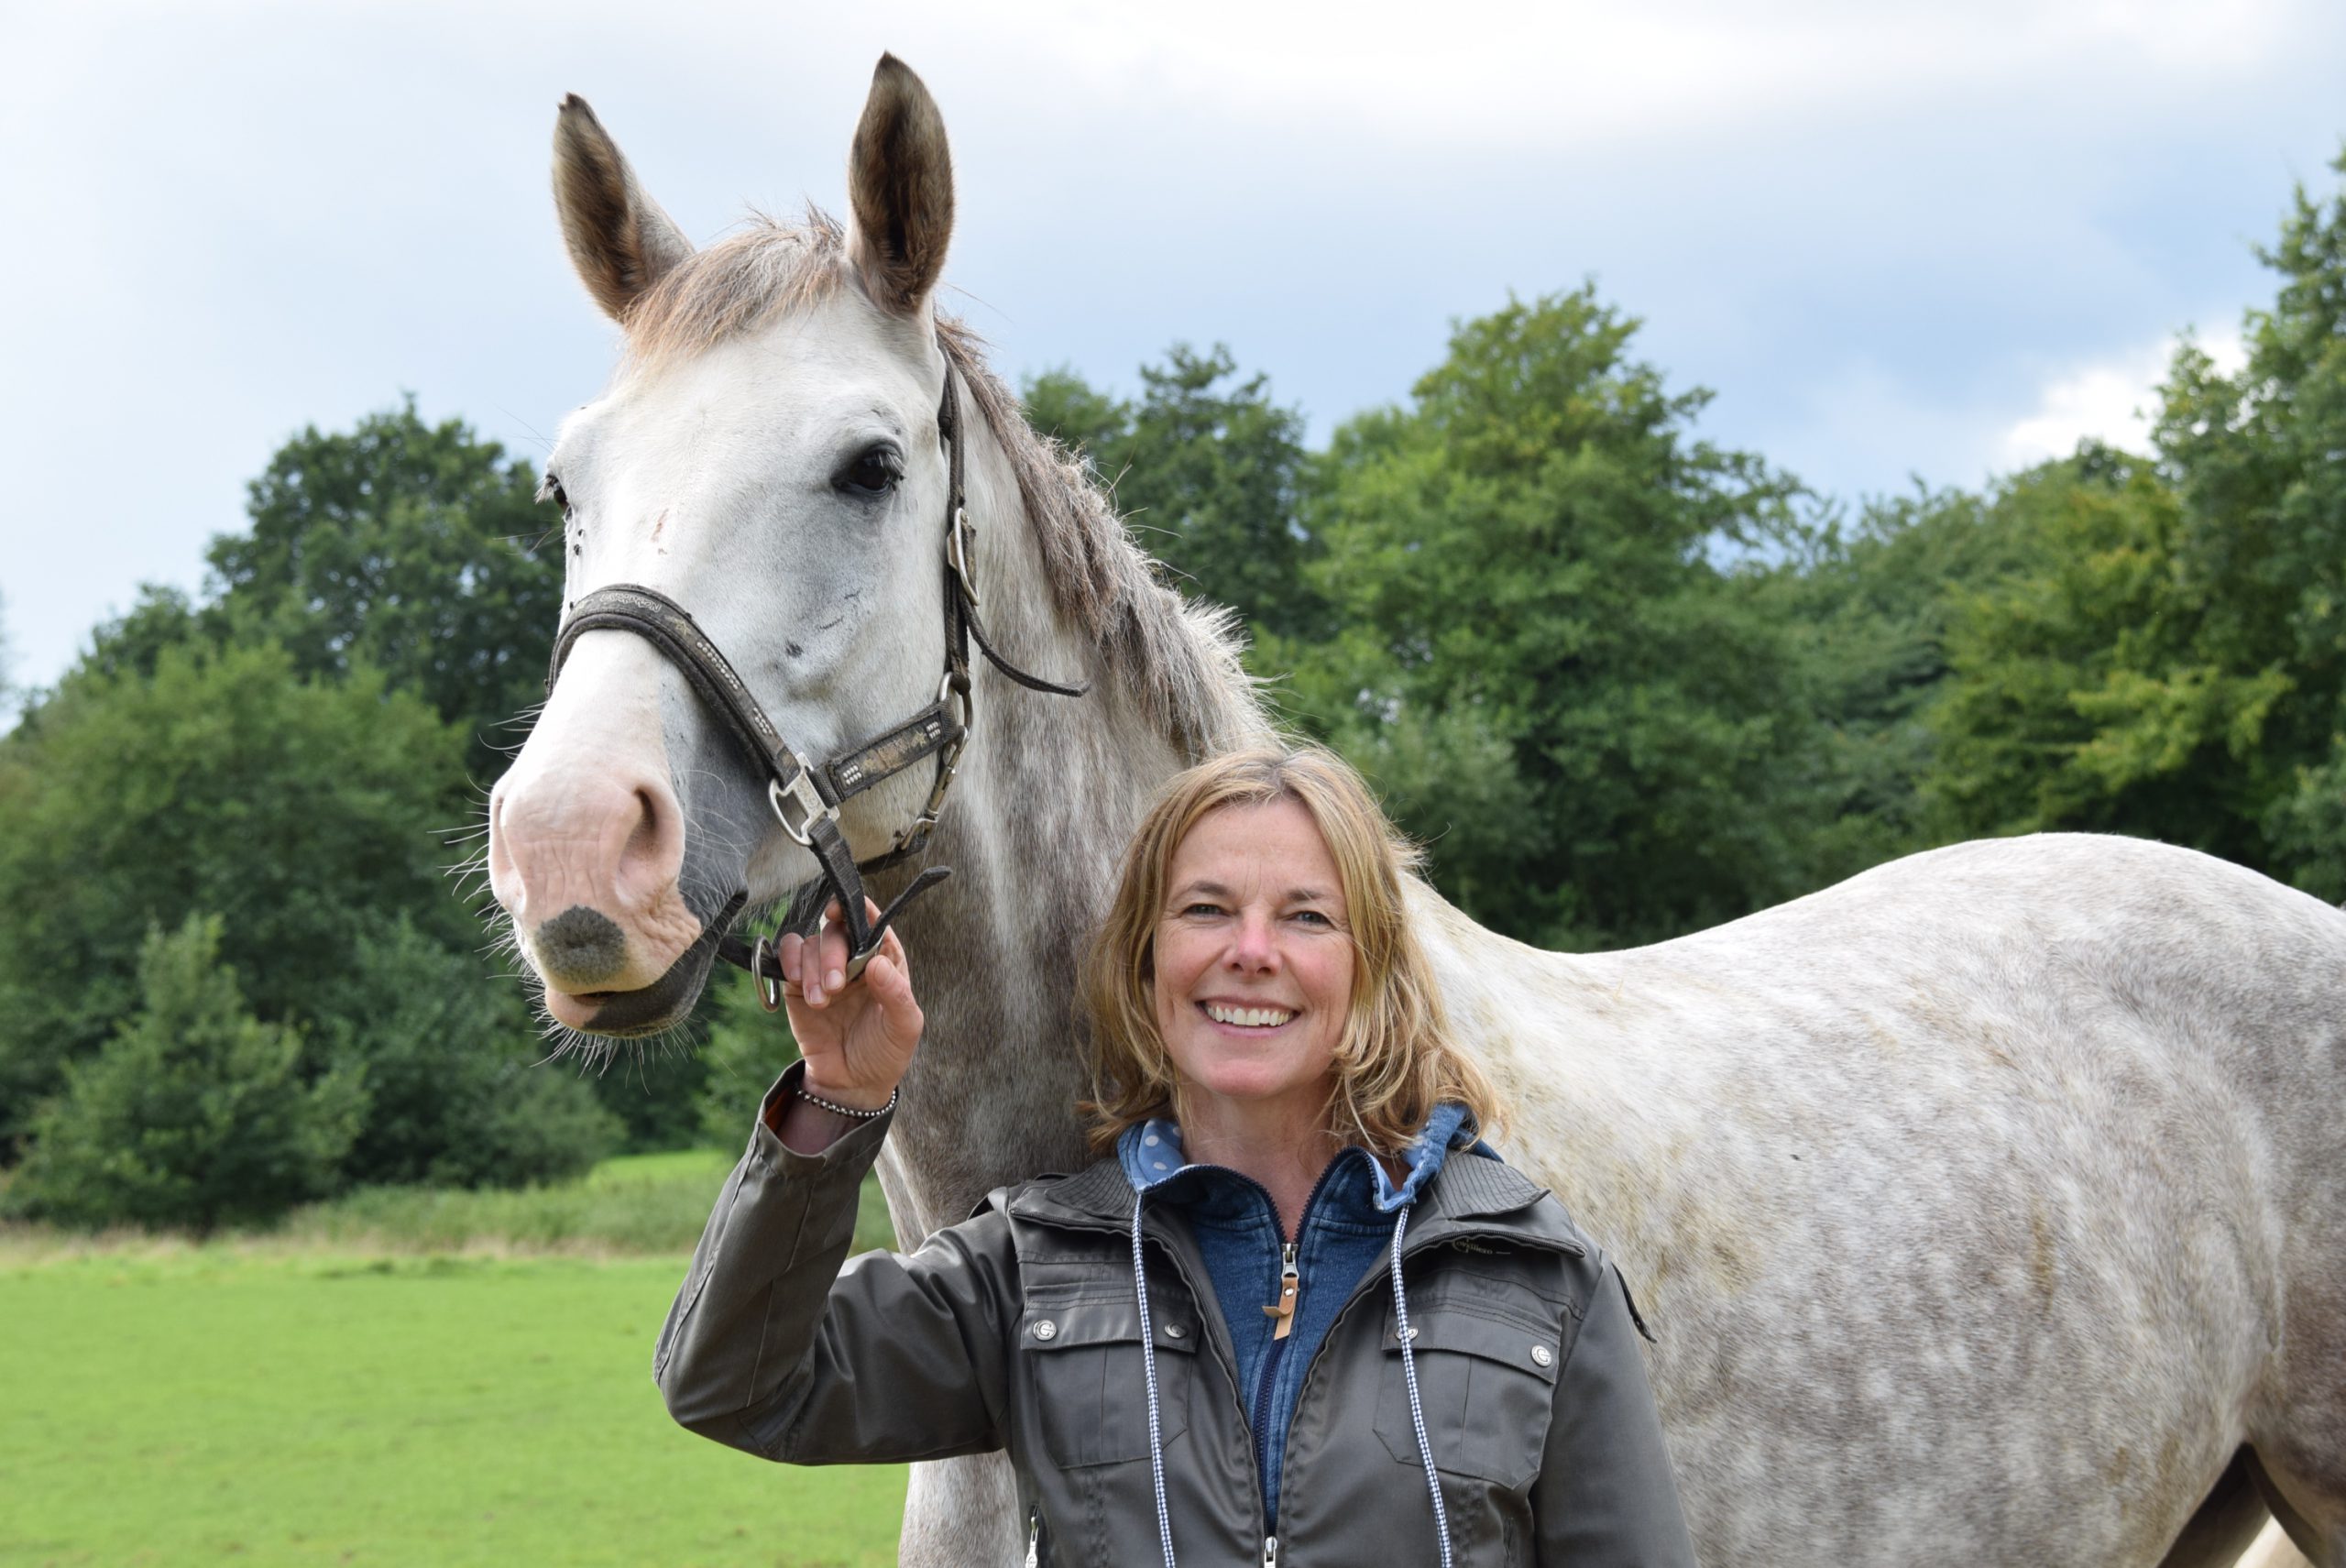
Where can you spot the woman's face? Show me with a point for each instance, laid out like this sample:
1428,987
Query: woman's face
1253,964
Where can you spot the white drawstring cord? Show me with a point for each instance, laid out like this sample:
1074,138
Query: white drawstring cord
1409,1376
1148,1367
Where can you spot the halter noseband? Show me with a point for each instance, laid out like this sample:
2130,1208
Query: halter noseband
806,796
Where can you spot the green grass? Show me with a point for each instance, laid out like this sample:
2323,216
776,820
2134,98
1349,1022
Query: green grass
333,1393
636,1204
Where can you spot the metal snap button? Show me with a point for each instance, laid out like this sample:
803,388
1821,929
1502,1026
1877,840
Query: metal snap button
1045,1328
1412,1332
1174,1330
1541,1356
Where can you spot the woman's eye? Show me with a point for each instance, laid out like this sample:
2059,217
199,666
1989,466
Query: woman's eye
1313,918
1201,911
874,472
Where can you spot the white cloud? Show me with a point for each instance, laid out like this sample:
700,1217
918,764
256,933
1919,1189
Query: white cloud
2107,400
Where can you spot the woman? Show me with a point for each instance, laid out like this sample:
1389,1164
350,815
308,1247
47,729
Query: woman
1299,1315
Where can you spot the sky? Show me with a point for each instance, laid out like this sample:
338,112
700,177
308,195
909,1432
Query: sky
1915,243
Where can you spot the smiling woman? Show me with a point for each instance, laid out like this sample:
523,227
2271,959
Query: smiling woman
1279,1095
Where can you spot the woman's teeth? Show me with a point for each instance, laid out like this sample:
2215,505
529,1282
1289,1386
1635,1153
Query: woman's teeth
1248,1017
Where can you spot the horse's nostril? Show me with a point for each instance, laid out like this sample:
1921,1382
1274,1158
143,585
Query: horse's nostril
581,947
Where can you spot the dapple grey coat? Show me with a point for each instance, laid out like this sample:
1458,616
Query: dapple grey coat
1018,1329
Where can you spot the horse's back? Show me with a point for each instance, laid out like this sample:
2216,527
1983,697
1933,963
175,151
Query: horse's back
2008,1160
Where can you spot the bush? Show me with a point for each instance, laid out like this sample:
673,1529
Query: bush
194,1113
747,1049
458,1095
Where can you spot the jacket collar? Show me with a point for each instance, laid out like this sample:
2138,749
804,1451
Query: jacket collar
1467,1194
1152,1155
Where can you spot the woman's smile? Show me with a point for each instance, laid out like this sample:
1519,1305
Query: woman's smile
1254,965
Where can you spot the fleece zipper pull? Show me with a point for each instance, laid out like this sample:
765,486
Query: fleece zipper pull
1290,1284
1034,1536
1270,1552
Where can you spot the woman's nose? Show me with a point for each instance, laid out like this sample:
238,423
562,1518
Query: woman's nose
1252,947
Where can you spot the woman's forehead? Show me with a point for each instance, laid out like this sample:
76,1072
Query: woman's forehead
1250,841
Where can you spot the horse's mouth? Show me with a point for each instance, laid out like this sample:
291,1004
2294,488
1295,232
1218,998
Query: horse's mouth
662,1004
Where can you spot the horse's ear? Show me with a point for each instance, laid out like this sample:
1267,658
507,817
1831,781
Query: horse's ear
620,240
900,187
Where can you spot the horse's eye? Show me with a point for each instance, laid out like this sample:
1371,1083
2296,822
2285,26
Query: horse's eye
872,472
552,490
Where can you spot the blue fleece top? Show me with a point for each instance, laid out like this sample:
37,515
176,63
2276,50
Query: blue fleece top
1346,1224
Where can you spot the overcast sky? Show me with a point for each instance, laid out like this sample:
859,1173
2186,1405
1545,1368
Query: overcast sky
1896,240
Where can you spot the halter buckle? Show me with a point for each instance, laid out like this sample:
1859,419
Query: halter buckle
956,554
800,793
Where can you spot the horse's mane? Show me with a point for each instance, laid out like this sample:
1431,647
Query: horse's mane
1177,659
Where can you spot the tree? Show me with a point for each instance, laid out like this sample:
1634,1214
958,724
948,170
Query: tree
2084,693
1209,472
2262,540
1872,607
459,1094
308,814
2167,655
196,1114
1557,658
418,550
746,1050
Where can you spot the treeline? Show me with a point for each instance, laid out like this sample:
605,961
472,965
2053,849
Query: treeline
1623,682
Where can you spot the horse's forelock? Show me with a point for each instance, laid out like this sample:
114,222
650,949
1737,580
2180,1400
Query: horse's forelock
765,269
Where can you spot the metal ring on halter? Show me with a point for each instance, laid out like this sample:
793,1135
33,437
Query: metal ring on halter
810,805
956,554
769,985
957,686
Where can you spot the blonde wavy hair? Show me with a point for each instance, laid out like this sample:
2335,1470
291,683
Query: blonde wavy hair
1395,1056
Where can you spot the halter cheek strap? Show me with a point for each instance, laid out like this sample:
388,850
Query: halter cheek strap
806,796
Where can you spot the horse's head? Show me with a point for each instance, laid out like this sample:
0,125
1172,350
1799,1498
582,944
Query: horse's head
767,455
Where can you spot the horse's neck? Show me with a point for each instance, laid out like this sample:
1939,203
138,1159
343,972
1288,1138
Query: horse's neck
1589,1074
1048,793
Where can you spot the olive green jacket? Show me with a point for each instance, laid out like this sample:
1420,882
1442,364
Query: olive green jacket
1019,1329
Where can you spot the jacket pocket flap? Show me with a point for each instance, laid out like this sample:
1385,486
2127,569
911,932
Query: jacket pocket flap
1065,1325
1449,1326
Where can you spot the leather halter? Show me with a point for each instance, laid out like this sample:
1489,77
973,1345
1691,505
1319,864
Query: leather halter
806,796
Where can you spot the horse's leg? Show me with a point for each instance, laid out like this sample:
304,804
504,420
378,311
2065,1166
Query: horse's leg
2225,1523
2313,1513
2272,1551
962,1512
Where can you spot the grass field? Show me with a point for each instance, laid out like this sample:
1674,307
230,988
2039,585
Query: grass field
340,1392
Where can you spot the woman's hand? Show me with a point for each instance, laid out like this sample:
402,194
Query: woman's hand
858,1037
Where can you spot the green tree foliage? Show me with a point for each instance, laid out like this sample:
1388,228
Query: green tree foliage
1543,660
746,1050
195,1114
1208,471
2167,654
419,550
2086,692
2263,544
307,813
460,1095
1870,607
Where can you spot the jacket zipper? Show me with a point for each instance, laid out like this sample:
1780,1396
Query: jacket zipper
1035,1536
1418,1243
1291,1289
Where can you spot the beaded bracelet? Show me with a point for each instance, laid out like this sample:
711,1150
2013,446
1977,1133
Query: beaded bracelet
836,1109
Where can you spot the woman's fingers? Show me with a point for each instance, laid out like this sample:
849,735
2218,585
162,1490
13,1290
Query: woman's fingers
892,988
